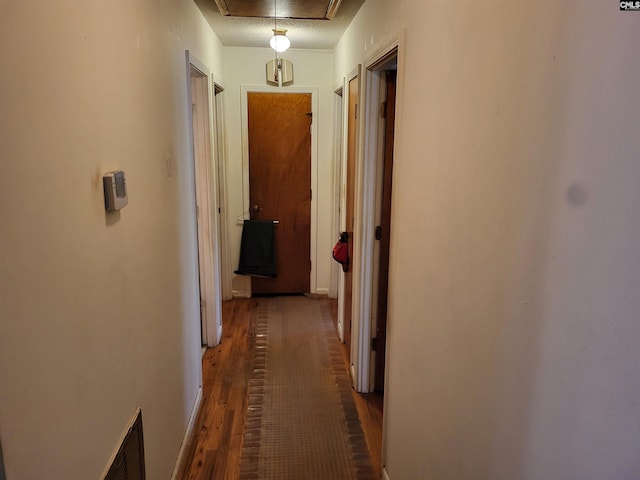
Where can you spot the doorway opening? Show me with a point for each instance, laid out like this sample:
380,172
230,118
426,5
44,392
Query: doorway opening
383,75
368,330
222,198
353,102
201,120
388,75
338,129
370,106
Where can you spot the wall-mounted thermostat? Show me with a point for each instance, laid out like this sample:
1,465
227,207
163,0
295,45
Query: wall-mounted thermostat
115,190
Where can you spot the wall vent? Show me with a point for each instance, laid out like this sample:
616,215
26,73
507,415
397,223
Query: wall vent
2,477
128,463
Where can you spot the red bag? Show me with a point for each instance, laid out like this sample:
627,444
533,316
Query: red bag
341,251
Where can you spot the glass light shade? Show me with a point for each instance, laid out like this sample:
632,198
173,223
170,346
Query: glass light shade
279,42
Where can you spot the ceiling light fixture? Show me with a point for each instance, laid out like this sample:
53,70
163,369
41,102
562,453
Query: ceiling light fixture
279,70
279,42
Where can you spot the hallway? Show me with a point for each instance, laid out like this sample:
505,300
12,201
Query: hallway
217,446
514,267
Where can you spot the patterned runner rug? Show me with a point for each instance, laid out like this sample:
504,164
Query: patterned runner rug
302,422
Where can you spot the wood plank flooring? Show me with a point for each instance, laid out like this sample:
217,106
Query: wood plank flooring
217,444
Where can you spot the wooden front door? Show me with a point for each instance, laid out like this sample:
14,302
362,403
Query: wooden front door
280,184
352,132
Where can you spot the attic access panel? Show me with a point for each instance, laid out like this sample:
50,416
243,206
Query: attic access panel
298,9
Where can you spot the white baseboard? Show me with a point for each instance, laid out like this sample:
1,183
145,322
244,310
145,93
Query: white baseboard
322,291
177,469
385,474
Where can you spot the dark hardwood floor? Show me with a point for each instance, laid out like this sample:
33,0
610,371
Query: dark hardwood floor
215,449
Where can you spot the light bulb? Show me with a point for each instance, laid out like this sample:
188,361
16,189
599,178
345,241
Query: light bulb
279,42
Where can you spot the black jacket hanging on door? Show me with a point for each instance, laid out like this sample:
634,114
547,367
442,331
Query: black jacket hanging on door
257,249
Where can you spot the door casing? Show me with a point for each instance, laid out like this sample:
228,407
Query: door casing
338,134
222,198
202,148
370,139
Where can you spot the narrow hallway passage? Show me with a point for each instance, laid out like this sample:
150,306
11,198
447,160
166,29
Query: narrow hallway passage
281,361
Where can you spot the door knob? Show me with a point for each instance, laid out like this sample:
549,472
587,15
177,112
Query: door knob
253,210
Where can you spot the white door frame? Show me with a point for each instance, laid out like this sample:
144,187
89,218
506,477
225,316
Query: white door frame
223,206
365,211
244,90
206,206
342,210
338,141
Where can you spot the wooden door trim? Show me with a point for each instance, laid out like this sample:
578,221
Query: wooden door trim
343,187
315,255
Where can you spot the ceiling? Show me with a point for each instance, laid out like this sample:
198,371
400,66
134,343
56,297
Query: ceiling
311,24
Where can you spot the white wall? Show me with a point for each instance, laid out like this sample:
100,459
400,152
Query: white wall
513,312
99,313
245,67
